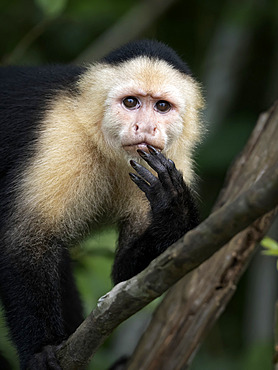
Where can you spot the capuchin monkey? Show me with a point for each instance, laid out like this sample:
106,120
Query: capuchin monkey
70,136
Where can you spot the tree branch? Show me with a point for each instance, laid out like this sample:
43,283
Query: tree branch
189,252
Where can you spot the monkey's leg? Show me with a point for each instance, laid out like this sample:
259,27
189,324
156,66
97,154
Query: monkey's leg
173,213
32,293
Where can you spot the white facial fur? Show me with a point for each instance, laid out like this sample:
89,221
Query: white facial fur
149,82
142,125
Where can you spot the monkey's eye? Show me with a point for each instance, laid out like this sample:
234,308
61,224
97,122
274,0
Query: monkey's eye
163,106
130,102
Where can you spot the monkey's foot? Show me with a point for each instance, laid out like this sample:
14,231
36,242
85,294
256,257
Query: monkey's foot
45,360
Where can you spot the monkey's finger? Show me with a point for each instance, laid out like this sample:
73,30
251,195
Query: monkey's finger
167,163
144,173
175,175
159,163
158,155
141,183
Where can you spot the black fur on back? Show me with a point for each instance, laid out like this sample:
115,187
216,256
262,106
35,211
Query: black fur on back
149,48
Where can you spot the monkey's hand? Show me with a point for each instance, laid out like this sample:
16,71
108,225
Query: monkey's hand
170,198
173,213
45,360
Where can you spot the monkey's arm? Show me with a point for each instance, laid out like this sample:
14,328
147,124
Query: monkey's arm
173,213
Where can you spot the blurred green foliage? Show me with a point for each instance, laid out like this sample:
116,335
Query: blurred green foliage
237,85
270,248
51,8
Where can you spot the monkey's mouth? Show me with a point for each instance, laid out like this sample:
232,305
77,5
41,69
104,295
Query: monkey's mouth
132,148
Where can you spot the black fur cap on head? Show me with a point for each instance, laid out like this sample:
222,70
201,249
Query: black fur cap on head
148,48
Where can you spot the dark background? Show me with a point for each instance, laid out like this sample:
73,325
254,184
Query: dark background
232,48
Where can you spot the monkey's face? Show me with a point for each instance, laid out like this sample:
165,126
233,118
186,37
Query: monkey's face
145,119
138,102
146,105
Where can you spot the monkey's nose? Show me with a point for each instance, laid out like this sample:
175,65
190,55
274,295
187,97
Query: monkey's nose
145,127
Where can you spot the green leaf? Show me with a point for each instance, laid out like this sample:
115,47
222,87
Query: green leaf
51,8
270,253
269,244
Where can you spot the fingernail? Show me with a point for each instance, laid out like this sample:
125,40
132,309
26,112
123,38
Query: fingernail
141,153
133,163
152,149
